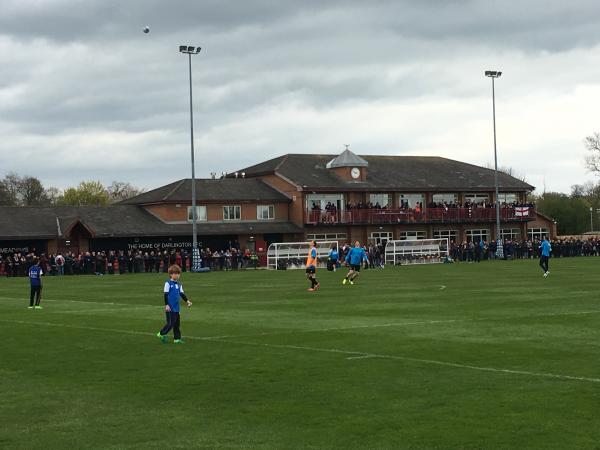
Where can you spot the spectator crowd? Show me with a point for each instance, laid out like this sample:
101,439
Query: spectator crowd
120,262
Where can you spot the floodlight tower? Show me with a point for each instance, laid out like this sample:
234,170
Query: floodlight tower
493,74
190,50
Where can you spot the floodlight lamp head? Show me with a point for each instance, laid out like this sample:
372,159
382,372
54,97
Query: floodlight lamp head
183,48
492,73
190,49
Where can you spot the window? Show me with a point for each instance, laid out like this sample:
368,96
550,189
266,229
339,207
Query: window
537,233
383,199
448,198
412,235
477,235
506,197
200,213
410,200
510,233
232,212
381,237
451,235
477,198
326,237
265,212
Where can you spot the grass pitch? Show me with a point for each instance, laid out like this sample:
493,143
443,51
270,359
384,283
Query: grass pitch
486,355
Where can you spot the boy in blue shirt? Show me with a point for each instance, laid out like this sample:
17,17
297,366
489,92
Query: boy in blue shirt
355,257
545,249
35,280
173,291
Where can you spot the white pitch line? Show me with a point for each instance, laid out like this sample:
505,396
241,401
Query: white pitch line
354,354
26,300
88,311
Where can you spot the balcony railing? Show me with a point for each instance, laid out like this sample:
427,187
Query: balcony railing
429,215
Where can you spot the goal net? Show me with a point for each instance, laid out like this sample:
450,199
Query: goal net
421,251
292,255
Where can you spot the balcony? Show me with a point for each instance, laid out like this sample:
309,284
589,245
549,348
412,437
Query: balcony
408,216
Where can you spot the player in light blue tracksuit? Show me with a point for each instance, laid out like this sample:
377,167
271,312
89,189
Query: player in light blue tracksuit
354,258
545,249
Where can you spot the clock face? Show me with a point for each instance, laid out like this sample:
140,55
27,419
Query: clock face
355,172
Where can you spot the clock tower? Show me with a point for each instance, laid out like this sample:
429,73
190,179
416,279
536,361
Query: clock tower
349,166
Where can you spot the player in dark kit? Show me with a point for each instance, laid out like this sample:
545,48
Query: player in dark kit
173,291
35,280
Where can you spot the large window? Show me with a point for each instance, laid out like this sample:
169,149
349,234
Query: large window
232,212
451,235
410,200
384,200
508,197
510,233
200,213
477,235
477,198
537,233
326,237
381,237
265,212
412,235
446,197
320,201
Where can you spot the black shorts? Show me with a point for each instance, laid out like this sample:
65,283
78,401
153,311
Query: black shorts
310,270
355,267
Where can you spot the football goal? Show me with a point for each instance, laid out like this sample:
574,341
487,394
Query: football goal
292,255
420,251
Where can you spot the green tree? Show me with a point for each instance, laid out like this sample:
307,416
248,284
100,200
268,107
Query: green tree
88,193
571,213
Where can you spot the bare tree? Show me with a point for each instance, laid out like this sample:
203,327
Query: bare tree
508,171
592,144
121,190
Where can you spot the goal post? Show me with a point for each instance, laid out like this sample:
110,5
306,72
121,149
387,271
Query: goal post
420,251
292,255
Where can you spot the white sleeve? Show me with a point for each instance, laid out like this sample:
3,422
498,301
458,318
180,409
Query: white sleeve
166,288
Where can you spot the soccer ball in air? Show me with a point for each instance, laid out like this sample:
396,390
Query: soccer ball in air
146,29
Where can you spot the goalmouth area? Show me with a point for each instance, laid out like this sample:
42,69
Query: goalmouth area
488,355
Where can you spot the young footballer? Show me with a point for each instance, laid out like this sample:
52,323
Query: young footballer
354,258
545,249
173,291
35,281
311,267
334,256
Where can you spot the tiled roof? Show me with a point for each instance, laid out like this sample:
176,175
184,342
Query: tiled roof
397,173
222,189
115,221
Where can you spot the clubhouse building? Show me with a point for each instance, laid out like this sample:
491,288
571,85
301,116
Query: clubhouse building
294,197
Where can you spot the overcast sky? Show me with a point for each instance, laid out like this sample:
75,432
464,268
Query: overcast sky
86,95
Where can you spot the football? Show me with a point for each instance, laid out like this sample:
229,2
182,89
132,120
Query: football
146,29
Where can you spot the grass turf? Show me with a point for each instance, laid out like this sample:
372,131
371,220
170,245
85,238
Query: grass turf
486,355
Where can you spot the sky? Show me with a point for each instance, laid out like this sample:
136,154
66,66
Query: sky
85,94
